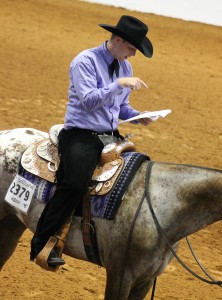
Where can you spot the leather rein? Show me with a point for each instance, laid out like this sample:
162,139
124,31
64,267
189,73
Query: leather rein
147,195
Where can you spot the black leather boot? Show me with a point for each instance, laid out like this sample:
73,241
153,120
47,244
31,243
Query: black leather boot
54,259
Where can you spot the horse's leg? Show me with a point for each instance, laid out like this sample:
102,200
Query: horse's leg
122,285
11,230
118,284
140,290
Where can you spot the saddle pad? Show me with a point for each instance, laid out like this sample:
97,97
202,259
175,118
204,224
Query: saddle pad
104,207
44,189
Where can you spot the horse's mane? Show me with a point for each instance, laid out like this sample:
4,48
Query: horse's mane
193,166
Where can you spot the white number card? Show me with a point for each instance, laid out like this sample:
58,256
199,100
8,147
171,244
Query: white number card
20,193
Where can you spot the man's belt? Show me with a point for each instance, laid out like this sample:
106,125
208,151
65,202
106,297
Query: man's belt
92,132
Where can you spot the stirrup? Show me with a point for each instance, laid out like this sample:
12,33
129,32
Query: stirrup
43,256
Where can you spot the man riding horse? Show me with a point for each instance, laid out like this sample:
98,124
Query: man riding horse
100,84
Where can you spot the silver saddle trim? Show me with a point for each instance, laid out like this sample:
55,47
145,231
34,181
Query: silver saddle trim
41,159
106,175
43,150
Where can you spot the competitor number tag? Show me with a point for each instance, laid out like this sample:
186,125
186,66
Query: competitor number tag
20,193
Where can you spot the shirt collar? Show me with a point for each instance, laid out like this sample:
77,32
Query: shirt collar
107,55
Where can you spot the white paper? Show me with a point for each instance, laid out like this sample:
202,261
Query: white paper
20,193
153,115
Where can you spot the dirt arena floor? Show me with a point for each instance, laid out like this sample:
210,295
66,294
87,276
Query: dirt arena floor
38,39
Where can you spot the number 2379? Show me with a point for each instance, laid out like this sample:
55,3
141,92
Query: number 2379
19,190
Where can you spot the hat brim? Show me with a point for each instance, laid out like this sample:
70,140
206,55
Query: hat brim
145,47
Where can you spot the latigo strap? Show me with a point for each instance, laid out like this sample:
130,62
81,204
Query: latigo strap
89,232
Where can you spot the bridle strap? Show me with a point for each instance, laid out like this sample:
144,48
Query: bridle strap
147,195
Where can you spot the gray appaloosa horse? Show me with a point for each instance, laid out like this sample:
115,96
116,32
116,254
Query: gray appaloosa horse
185,199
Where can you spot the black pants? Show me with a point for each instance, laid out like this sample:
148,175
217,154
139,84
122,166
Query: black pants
80,152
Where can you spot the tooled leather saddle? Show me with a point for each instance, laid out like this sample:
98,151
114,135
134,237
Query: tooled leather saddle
42,159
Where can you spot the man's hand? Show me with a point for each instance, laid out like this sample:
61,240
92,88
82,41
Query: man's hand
134,83
144,121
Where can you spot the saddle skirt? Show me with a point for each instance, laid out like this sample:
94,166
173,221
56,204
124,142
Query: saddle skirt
42,159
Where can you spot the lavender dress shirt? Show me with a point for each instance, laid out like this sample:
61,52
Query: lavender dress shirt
96,101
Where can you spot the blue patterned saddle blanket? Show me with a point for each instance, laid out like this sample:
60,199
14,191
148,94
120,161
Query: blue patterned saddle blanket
105,206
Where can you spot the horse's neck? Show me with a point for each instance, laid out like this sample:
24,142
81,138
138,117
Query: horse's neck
188,198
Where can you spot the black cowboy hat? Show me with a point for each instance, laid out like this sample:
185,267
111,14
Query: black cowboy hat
134,32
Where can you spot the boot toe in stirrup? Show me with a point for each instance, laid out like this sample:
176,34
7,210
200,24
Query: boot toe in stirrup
54,260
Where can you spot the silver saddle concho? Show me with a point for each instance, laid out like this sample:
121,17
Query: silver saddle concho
42,159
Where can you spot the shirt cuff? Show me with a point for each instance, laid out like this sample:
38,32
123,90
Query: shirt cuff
114,86
135,121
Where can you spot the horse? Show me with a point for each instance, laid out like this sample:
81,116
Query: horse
184,199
